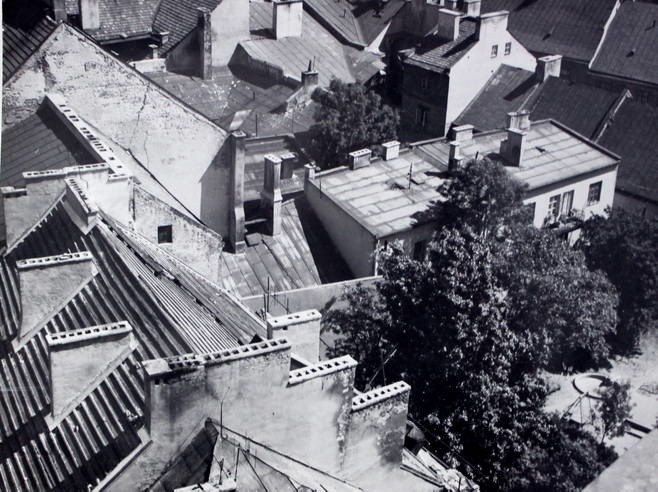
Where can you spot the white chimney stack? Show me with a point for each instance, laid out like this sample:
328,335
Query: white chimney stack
287,18
448,24
548,66
90,14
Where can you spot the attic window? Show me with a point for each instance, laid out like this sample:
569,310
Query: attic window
164,234
508,48
494,51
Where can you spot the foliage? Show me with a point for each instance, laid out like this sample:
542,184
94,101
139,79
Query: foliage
614,409
349,117
360,327
625,247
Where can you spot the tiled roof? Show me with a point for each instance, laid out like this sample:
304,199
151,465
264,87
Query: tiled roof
506,91
440,55
581,107
179,17
552,153
572,28
629,48
355,22
24,29
171,313
633,134
121,18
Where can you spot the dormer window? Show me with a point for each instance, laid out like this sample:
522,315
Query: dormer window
494,51
508,48
164,234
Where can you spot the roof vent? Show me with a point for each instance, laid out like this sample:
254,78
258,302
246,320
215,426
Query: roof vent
359,158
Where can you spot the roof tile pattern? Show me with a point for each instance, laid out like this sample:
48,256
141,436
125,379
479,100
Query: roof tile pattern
125,18
439,54
179,17
21,37
629,48
572,28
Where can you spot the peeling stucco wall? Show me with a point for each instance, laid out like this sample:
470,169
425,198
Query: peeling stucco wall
174,143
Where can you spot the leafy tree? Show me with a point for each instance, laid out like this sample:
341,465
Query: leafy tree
625,247
613,410
349,117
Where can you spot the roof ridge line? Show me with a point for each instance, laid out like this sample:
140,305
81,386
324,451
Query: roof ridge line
609,116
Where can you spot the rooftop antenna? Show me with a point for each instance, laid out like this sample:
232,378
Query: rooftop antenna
411,169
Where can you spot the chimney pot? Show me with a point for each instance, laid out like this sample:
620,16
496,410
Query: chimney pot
309,172
513,148
359,158
287,18
548,66
519,120
454,158
448,24
391,150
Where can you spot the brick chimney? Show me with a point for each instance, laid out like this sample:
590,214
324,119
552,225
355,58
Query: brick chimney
90,14
59,10
236,219
301,329
492,26
81,358
270,197
310,78
448,24
391,150
359,158
462,133
204,29
48,283
513,148
287,18
548,66
472,8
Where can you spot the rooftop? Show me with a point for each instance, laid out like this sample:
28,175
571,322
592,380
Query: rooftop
24,28
440,54
178,18
553,153
629,47
355,22
572,28
381,196
125,18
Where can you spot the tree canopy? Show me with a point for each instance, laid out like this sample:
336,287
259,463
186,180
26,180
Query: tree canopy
349,117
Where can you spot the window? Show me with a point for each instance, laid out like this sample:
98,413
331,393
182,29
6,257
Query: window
425,84
494,51
419,250
421,116
567,202
594,194
164,234
508,48
554,206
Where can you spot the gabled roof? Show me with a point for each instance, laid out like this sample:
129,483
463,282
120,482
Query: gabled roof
439,54
633,134
179,17
572,28
171,313
629,47
125,18
24,28
355,22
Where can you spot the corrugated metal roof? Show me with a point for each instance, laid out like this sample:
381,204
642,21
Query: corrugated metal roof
629,48
572,28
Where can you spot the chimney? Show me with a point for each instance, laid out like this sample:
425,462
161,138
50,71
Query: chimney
80,358
448,24
59,10
462,133
90,14
492,26
310,78
237,159
204,29
309,172
162,37
287,164
359,158
454,158
519,120
548,66
48,283
472,8
391,150
513,148
271,195
301,329
287,18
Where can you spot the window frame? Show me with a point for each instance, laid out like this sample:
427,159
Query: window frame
567,197
594,186
554,206
165,234
494,51
508,48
